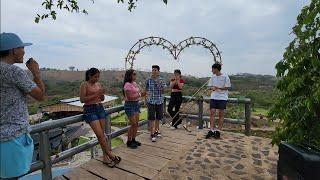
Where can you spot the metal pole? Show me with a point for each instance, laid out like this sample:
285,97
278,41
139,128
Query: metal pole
45,155
247,109
108,130
200,114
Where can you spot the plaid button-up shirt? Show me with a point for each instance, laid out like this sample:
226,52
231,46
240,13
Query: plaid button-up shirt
154,88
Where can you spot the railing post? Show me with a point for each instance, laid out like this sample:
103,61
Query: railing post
200,113
108,130
247,109
45,155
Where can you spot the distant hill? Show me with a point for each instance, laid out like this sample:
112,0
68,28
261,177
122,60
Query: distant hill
62,84
239,82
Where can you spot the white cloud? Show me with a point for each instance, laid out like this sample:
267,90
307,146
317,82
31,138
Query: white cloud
251,34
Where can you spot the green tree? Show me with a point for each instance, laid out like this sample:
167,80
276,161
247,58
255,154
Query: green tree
298,105
52,6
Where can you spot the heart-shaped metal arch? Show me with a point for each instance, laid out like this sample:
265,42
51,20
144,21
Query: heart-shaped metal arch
174,50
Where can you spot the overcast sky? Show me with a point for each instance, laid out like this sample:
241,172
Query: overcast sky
251,34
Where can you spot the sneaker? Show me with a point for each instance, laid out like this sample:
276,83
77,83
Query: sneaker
210,134
173,128
217,134
157,134
136,142
131,144
153,138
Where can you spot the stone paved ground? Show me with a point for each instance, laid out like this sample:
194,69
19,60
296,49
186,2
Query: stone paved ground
235,156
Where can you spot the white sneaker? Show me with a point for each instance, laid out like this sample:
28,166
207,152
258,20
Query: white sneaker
153,138
157,134
173,128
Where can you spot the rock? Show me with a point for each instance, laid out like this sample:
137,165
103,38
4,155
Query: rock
207,160
205,178
259,170
239,172
197,155
228,162
234,157
266,153
258,156
197,162
239,166
189,158
257,162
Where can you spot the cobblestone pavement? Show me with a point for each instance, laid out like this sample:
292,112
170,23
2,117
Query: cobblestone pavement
235,156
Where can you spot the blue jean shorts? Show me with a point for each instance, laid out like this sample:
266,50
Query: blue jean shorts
16,156
93,112
131,108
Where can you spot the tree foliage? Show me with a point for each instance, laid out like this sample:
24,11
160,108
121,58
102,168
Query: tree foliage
52,6
298,105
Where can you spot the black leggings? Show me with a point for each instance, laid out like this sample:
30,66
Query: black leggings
175,102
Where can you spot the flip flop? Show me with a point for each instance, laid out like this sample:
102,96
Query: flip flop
111,164
116,160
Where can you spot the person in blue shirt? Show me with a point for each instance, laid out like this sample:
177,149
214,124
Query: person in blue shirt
155,86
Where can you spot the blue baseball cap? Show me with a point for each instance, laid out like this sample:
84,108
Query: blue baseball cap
10,41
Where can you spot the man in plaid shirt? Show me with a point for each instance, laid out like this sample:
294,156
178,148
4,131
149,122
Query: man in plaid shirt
155,86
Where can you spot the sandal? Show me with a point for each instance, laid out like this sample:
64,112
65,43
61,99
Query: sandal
116,159
111,164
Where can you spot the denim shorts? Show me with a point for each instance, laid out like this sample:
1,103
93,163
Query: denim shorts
93,112
131,108
16,156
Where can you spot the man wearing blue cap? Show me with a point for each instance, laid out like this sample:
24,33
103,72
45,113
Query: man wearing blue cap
16,145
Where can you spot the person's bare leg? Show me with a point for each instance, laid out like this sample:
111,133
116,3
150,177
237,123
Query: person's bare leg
212,118
98,130
221,119
137,117
152,127
131,130
157,124
103,124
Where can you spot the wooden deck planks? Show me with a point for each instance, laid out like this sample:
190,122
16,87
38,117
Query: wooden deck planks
97,167
80,174
145,162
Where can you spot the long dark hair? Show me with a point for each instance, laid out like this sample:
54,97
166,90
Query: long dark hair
127,78
91,72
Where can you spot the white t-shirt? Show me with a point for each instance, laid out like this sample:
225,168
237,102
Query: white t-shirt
221,81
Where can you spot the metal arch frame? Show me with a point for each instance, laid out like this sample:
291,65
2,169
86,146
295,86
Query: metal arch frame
175,50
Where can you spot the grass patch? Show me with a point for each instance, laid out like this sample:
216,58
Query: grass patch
260,110
122,119
115,142
83,140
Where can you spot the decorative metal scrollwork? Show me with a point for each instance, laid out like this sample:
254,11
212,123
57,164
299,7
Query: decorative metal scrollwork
174,50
